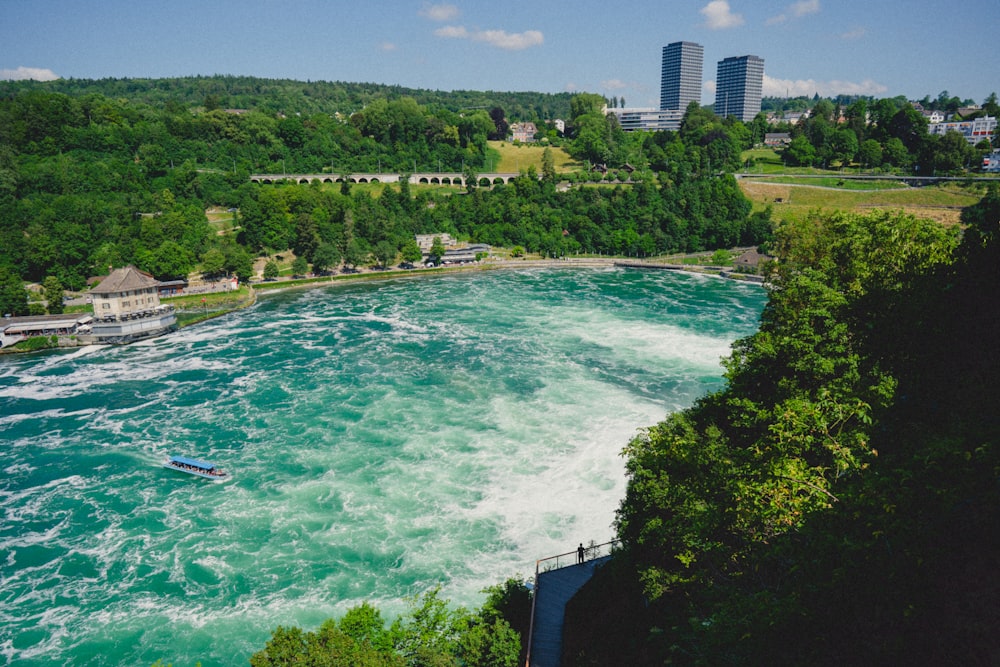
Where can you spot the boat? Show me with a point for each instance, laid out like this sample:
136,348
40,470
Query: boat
196,468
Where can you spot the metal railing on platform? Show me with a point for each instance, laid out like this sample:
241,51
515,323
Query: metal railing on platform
580,555
590,552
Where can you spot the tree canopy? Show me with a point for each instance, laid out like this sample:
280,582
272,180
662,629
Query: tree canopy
836,502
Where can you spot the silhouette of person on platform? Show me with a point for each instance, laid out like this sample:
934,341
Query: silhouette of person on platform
580,553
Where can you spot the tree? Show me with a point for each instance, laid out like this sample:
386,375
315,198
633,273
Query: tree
470,176
213,263
271,270
384,252
870,153
53,290
169,260
437,250
355,253
239,262
499,123
586,104
325,258
13,295
844,146
411,252
300,266
800,152
548,166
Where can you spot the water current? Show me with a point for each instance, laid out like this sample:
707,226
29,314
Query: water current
382,438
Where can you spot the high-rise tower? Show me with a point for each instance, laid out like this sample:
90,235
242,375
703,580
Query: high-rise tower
738,85
680,75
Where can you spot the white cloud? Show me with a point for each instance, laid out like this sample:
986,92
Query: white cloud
502,39
709,87
452,31
614,84
718,16
386,46
22,73
804,8
795,11
442,12
795,88
856,33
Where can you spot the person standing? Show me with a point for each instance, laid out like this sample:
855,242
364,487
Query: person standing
580,553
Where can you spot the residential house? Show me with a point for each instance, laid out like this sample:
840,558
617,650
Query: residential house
523,132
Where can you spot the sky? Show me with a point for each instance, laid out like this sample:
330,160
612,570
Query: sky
881,48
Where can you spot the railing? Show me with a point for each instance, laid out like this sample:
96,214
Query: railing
580,555
590,552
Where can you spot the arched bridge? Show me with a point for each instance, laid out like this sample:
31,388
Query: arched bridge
427,178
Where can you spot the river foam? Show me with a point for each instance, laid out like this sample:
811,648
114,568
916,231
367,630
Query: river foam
383,438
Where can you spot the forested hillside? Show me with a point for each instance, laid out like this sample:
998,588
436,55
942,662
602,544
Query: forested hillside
838,503
290,97
89,181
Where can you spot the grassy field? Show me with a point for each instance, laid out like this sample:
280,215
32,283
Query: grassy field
517,158
221,221
942,203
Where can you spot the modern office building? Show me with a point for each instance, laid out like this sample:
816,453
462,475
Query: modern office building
648,120
680,75
738,84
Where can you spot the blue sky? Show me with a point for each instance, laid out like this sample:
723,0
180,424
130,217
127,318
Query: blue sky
881,48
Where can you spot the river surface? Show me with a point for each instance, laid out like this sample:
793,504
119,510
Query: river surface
383,438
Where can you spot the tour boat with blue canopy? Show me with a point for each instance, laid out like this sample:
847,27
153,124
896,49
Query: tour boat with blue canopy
196,467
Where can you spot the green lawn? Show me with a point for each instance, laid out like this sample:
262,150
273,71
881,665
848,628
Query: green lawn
938,202
516,158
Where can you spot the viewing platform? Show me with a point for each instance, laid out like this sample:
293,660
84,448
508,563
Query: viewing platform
557,580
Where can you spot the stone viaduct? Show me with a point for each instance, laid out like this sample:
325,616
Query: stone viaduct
428,178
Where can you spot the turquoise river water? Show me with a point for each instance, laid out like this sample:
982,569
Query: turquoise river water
383,438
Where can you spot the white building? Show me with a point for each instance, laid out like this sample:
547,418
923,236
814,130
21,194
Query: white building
127,307
974,130
648,120
16,329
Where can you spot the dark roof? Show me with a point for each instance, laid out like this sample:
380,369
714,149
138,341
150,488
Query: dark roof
128,279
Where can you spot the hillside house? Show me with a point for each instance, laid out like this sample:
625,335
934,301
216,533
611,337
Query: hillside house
523,132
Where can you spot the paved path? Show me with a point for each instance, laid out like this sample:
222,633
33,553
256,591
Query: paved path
553,590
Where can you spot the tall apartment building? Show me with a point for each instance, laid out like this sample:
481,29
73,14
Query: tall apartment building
680,75
738,84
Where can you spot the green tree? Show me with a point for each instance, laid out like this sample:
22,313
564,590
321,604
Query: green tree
411,252
437,250
13,295
384,252
53,290
325,258
870,154
844,146
548,166
239,262
271,270
356,253
300,266
213,263
800,152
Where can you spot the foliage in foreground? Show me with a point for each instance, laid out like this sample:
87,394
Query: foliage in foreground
837,503
431,634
